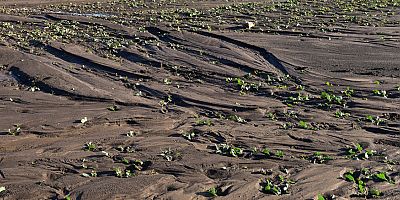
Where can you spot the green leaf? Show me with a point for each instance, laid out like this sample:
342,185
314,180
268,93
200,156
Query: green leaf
349,177
381,176
212,192
361,186
320,197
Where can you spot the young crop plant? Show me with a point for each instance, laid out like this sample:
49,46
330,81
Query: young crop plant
332,98
287,125
297,100
120,173
375,120
90,146
189,135
319,158
171,155
236,118
341,114
16,130
213,192
304,125
164,104
279,154
228,150
348,92
202,122
243,85
113,108
91,174
277,186
359,153
361,177
381,93
271,116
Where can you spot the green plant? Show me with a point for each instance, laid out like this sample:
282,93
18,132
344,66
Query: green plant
287,125
201,122
329,84
376,120
361,177
113,108
277,186
189,135
212,192
90,146
320,197
358,152
348,92
340,114
271,116
381,93
171,155
92,174
332,98
164,104
120,173
236,118
304,125
279,154
16,130
132,134
228,150
319,158
377,82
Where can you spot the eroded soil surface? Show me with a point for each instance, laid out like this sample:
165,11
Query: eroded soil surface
169,99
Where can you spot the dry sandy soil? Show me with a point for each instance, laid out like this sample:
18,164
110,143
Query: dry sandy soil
183,97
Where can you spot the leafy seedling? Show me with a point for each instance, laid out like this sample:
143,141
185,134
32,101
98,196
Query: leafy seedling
202,122
213,192
361,177
319,158
120,173
278,186
359,153
113,108
348,92
189,135
90,146
132,134
236,118
91,174
328,84
340,114
304,125
279,154
383,177
287,125
375,120
271,116
16,130
228,150
171,155
381,93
